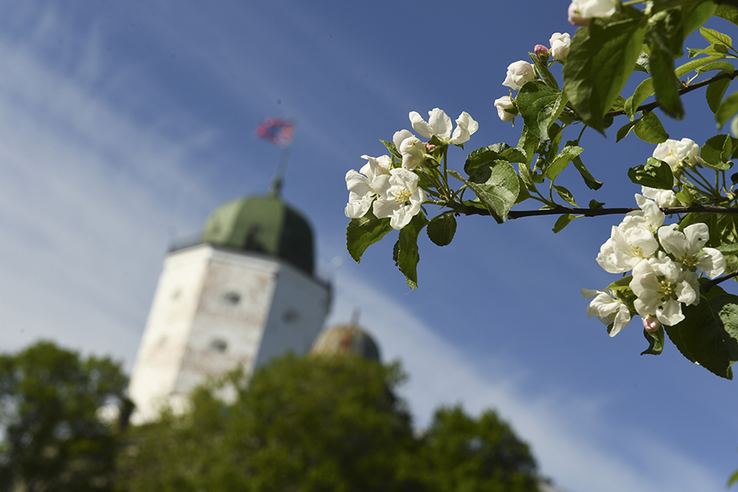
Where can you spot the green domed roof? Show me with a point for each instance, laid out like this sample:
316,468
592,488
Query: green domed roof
265,224
346,340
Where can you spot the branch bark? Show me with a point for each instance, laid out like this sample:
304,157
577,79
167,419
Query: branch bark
595,212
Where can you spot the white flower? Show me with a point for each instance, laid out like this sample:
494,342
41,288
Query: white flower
630,243
411,149
506,109
518,74
662,286
663,198
677,153
362,187
650,211
560,44
580,11
607,309
439,125
399,198
688,248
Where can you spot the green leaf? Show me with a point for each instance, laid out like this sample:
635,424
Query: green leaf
708,335
483,156
646,88
655,341
589,180
406,249
624,131
544,72
733,479
441,229
727,108
539,105
600,61
618,104
695,15
565,195
594,204
363,232
716,152
496,185
714,37
392,149
562,160
728,249
663,34
654,174
715,92
563,221
649,128
685,196
528,143
727,12
622,284
726,67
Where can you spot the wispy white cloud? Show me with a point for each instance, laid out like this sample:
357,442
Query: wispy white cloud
87,193
568,429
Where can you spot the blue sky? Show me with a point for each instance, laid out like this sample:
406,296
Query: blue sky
123,124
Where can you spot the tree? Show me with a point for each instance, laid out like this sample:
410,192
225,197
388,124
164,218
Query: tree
53,437
463,454
316,423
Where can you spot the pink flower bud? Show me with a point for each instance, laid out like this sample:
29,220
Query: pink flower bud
429,147
651,324
541,51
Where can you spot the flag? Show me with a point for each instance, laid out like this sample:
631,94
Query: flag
276,130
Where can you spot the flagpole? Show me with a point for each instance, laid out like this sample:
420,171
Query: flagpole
281,168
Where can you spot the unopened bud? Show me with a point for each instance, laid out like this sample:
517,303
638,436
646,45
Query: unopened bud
429,147
651,324
541,52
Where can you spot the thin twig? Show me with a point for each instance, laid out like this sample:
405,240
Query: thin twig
712,283
686,90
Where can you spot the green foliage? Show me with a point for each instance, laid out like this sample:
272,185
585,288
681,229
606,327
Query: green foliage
601,59
654,173
405,253
441,229
540,106
53,439
466,454
709,334
363,232
316,423
664,38
655,341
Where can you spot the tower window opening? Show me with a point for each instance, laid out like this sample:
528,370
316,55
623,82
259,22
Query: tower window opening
219,345
232,298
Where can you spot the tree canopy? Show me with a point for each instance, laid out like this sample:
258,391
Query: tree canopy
321,423
53,438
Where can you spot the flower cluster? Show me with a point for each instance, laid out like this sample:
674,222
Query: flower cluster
663,262
389,187
521,72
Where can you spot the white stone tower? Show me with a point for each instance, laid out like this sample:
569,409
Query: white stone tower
244,294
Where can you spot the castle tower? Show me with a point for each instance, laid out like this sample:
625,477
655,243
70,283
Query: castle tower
244,294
